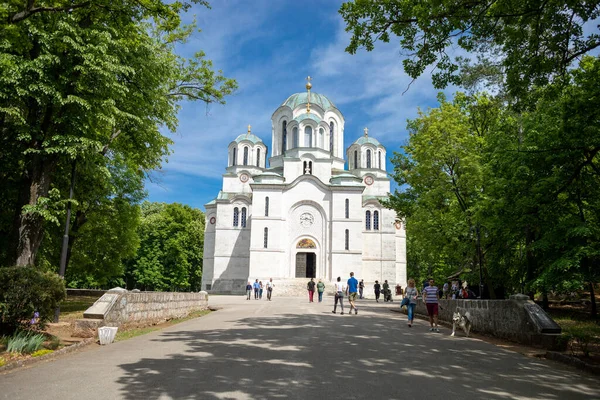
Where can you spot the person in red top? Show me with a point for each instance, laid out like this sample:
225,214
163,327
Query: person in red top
431,297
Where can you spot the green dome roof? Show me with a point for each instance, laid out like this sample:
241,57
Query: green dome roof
248,136
367,139
304,116
315,98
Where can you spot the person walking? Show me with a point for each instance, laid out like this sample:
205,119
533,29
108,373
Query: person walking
431,298
339,295
352,290
256,289
387,293
320,290
377,288
260,290
270,289
248,290
311,289
411,293
361,288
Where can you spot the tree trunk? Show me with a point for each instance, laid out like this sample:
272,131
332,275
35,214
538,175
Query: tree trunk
30,226
593,301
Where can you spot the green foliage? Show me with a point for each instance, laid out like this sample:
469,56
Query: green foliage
24,291
171,249
42,352
2,362
533,42
96,82
515,192
25,342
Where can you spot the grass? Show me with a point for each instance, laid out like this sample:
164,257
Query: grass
581,332
73,307
130,333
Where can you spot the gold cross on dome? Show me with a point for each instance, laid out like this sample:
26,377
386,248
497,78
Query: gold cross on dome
366,132
249,128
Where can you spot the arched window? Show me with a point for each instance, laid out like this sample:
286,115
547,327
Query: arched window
295,137
236,216
331,133
284,137
368,220
307,167
307,136
266,238
379,162
355,159
347,240
245,156
234,157
376,220
321,135
243,217
347,208
368,158
267,206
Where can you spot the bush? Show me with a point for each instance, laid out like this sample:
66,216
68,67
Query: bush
2,362
25,291
25,342
53,343
42,352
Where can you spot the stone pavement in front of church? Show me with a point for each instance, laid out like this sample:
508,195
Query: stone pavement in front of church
291,349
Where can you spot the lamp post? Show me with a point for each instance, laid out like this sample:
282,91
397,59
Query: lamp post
65,242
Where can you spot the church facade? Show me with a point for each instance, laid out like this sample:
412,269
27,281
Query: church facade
304,215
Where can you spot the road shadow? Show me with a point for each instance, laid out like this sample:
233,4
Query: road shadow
332,356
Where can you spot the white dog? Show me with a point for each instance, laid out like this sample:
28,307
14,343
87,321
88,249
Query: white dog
464,321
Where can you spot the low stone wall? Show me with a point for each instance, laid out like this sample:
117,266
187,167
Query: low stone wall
518,319
119,307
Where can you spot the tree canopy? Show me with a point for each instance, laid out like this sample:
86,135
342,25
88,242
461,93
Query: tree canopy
531,42
93,83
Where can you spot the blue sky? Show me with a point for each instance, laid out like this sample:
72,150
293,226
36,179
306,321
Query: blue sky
270,47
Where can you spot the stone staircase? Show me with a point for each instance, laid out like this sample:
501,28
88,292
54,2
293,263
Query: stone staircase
296,287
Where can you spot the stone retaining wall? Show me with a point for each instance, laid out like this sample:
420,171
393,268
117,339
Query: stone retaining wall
118,307
518,319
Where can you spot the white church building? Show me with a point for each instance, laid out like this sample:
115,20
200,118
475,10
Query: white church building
304,215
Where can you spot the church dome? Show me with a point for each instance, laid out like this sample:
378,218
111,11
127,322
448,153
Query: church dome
248,136
315,98
367,139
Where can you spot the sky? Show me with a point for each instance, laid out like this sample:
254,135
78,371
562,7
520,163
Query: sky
270,47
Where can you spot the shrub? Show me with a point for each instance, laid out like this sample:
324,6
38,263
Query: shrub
25,342
2,362
25,291
41,352
53,343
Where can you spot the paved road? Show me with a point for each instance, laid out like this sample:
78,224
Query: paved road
290,349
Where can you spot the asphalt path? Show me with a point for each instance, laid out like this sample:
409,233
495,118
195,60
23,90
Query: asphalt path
290,349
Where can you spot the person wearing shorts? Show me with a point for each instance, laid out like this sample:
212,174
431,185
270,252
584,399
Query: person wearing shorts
352,289
431,298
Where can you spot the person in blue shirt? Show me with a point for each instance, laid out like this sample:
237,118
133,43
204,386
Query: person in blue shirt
352,291
256,289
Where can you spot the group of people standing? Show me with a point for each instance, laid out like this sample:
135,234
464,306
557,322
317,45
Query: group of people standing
257,287
349,289
311,286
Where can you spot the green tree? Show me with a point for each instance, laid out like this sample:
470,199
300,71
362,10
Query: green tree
171,249
531,41
80,79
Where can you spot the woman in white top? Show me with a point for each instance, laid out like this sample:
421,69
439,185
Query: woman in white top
340,288
411,293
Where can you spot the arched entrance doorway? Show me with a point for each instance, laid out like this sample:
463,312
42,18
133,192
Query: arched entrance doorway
306,260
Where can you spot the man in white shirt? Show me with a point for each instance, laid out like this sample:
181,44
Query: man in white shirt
270,287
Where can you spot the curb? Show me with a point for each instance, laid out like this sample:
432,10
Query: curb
54,354
572,361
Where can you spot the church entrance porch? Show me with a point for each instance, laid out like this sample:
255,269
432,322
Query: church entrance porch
306,265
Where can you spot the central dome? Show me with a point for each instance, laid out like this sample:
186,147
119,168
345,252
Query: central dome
315,98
